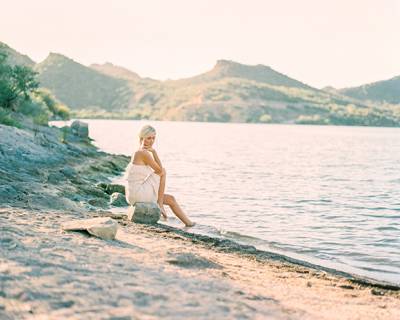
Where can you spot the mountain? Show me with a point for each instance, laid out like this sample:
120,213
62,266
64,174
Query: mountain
259,73
228,92
115,71
380,91
330,89
233,92
14,57
81,87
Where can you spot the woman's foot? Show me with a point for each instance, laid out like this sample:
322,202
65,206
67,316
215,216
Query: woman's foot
190,224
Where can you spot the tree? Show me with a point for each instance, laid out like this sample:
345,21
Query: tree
15,82
24,80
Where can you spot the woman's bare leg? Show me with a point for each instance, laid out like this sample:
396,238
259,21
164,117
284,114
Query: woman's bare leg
161,190
170,201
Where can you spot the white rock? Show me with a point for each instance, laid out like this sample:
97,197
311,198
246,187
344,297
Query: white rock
144,212
104,228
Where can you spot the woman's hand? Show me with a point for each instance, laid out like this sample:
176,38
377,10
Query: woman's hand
154,157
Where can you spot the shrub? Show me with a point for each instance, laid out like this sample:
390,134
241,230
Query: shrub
313,119
58,111
16,83
6,119
41,119
265,118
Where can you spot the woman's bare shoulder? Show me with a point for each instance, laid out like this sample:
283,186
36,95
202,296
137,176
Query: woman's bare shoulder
139,155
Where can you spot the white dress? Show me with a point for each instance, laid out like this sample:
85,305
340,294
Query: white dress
142,184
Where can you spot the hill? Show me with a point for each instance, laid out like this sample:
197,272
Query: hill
233,92
81,87
228,92
259,73
115,71
381,91
16,58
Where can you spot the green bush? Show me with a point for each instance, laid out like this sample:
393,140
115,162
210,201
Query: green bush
41,119
311,119
33,108
58,111
6,119
19,92
16,83
265,118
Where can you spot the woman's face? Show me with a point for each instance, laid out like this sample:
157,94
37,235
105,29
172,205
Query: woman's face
149,140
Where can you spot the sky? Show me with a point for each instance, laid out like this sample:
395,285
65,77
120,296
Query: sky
339,43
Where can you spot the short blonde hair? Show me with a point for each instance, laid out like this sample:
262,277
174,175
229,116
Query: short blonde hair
146,131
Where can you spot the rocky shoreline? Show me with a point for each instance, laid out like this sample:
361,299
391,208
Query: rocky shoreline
46,167
49,176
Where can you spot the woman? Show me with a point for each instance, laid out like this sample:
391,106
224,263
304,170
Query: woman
146,177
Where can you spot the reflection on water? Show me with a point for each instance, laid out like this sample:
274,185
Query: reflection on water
328,194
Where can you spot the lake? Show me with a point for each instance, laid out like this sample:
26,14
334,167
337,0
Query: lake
328,195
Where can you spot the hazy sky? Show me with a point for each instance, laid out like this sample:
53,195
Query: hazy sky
320,42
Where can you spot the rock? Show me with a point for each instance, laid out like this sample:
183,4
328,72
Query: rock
144,212
377,292
113,215
55,177
346,286
98,202
104,228
41,139
110,188
118,200
8,191
80,129
68,171
192,261
92,191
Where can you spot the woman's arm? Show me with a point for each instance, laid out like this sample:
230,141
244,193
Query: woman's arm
148,159
156,158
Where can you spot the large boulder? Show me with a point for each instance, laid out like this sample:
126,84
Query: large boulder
144,212
98,202
104,228
110,188
80,129
118,200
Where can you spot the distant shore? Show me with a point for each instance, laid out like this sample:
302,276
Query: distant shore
115,116
148,272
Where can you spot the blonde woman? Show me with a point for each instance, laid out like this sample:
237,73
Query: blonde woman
146,177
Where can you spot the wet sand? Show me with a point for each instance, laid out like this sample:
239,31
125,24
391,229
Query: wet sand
152,272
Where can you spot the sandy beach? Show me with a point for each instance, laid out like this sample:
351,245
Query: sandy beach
151,272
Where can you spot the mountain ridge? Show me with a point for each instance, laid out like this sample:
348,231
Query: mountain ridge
232,69
79,86
228,92
379,91
14,57
116,71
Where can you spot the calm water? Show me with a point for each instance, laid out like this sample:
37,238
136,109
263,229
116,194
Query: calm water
327,195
